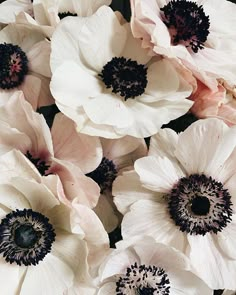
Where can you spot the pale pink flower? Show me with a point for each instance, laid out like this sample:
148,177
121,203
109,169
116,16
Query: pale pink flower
199,33
25,57
220,103
117,155
24,130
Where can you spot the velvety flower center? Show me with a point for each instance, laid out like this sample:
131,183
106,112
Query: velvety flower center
125,77
104,174
199,204
187,23
26,237
65,14
13,66
41,165
143,280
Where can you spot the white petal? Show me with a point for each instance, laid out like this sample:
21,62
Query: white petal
9,277
210,264
107,289
108,109
226,239
38,195
157,174
152,219
82,150
50,276
127,189
76,88
101,38
202,146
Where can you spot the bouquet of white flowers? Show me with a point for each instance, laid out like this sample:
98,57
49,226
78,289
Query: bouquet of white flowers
117,147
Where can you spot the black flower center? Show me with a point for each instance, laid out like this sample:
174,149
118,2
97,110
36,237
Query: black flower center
41,165
125,76
187,23
199,204
26,237
13,66
104,174
65,14
144,280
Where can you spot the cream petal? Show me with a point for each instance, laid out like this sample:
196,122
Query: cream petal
39,56
152,218
113,149
106,213
226,239
77,186
209,142
157,174
13,199
210,264
9,277
133,48
95,234
66,246
38,195
108,109
14,163
78,86
50,276
127,189
184,282
163,80
81,150
107,289
101,38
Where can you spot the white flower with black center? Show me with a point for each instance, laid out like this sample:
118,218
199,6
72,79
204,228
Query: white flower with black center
142,266
192,32
183,194
106,83
41,252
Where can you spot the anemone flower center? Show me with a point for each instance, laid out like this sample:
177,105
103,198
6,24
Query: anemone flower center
187,23
26,237
65,14
41,165
125,77
13,65
144,280
199,204
104,174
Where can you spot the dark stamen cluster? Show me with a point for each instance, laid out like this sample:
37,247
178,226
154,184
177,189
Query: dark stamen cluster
65,14
125,76
104,174
187,23
38,163
199,204
26,237
138,278
13,66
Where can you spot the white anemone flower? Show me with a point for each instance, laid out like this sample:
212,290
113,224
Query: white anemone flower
192,32
24,64
41,249
45,153
105,82
117,155
142,266
183,195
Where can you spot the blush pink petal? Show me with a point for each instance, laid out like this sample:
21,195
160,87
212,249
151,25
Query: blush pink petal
77,187
82,150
